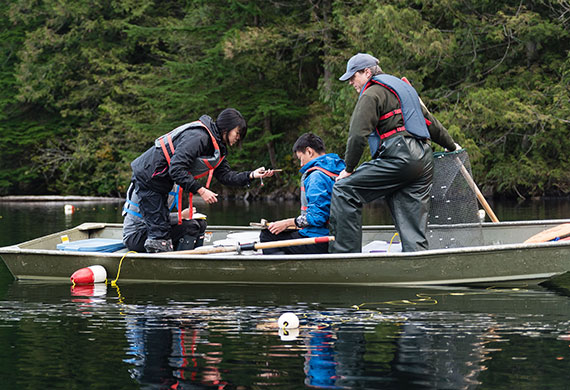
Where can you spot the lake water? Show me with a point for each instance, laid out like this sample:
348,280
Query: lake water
183,336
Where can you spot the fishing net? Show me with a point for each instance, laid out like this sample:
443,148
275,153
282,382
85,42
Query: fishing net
453,202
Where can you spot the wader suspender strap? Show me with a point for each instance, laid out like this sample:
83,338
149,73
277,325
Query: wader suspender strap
129,202
210,171
132,212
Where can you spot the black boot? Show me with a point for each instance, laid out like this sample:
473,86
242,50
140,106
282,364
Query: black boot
186,242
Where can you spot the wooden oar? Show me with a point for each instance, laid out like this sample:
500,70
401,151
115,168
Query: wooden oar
466,174
560,231
255,245
264,224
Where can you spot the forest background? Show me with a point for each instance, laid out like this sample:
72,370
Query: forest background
87,85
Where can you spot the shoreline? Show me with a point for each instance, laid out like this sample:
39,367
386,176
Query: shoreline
57,198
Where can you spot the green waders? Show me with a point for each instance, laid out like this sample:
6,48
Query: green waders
402,174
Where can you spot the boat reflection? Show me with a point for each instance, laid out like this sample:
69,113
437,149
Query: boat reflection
203,347
211,337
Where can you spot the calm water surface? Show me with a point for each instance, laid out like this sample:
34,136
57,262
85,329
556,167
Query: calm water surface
181,336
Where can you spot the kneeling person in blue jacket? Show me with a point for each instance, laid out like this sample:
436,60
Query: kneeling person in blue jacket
319,171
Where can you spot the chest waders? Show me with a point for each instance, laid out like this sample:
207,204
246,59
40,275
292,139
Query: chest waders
132,207
401,171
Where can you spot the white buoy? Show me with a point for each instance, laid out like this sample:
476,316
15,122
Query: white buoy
288,334
481,215
68,209
288,321
89,275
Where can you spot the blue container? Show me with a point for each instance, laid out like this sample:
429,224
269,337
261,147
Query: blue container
92,245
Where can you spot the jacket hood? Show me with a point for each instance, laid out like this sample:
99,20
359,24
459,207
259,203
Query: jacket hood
330,161
209,122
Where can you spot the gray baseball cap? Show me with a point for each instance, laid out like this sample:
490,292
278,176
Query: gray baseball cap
358,62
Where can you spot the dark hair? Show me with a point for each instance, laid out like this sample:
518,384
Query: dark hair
309,140
229,119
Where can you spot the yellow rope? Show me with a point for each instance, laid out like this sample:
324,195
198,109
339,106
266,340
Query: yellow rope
114,282
394,236
119,294
422,300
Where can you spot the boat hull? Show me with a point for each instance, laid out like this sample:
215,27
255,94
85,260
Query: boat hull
485,264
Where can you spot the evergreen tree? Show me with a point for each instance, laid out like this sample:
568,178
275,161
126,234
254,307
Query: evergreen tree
87,86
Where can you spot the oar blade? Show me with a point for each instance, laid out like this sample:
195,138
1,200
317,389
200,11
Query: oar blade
559,231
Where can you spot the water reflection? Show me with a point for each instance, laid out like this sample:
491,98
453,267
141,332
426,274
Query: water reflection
434,349
187,336
211,336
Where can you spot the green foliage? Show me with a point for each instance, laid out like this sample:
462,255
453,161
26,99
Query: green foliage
87,86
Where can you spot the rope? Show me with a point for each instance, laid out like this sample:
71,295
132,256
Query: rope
121,299
114,282
422,300
394,236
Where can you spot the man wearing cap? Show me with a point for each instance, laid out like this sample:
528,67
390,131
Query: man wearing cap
389,116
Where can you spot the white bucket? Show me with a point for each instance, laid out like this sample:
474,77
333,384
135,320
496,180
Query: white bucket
380,246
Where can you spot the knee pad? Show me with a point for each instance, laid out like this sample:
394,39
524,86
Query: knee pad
194,226
187,242
199,240
155,246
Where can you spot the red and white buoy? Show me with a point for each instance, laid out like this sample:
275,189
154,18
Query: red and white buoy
89,275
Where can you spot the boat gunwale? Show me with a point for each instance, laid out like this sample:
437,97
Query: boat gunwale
17,249
244,260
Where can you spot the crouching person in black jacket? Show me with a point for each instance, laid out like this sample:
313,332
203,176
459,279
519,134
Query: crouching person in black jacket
189,152
188,234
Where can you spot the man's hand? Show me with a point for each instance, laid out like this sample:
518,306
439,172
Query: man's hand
279,226
343,174
457,148
208,196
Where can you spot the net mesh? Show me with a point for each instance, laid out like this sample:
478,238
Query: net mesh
452,201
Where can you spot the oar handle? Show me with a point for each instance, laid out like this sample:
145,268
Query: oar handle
293,242
255,245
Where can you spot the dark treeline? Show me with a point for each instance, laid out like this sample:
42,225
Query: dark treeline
86,86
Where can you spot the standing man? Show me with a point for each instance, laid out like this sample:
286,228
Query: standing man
319,171
398,129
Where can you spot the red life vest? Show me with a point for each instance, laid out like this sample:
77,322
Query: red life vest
303,195
201,167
